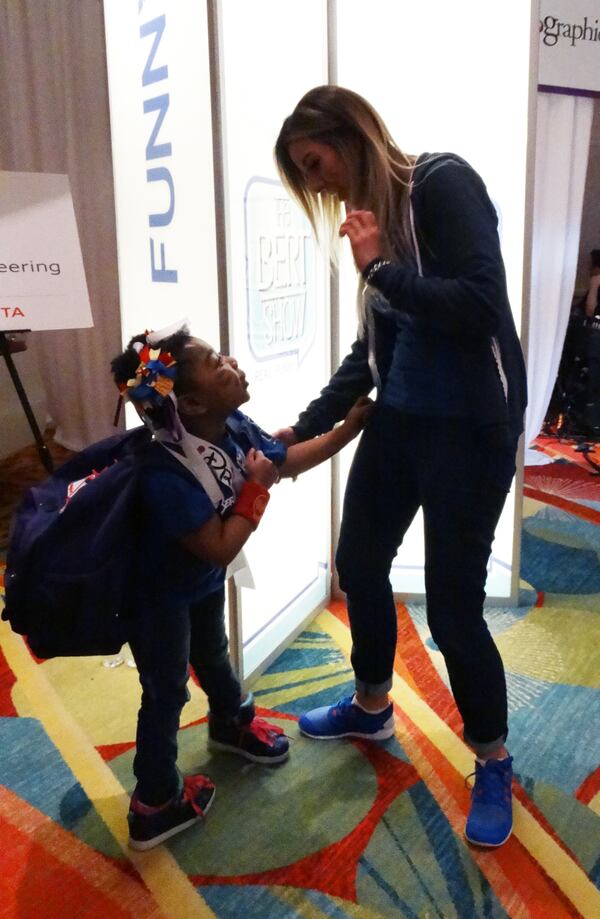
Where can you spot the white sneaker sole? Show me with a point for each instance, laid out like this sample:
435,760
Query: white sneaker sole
219,747
383,734
143,845
488,845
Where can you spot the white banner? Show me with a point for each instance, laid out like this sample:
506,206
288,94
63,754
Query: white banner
160,113
570,45
42,281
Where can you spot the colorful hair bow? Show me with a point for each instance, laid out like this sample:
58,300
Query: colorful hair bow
154,378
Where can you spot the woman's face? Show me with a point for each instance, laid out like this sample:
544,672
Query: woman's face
323,168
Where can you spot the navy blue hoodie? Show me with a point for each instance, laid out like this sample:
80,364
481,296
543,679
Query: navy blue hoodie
446,343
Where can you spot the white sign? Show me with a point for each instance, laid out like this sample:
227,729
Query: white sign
570,46
281,273
42,281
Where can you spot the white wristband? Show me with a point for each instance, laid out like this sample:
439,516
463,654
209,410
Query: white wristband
380,263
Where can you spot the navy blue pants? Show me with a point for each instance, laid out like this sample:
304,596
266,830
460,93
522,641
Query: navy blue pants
460,476
164,640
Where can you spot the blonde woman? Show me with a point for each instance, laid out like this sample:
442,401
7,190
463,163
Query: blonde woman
437,339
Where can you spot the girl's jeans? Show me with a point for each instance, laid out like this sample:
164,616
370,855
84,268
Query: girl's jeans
459,475
163,641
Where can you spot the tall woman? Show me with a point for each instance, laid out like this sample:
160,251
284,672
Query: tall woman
437,339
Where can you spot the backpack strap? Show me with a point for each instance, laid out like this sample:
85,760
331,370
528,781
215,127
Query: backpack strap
203,471
212,467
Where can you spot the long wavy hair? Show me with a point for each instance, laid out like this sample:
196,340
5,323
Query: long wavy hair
378,169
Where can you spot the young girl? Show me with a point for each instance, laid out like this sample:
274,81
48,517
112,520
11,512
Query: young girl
204,484
438,340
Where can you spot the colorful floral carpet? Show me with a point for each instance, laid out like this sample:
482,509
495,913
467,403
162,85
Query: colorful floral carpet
566,449
344,829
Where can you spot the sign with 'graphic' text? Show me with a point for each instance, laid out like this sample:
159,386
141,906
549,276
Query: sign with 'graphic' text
570,46
42,280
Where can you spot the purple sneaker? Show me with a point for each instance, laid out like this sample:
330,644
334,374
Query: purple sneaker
248,736
490,818
345,719
149,826
259,741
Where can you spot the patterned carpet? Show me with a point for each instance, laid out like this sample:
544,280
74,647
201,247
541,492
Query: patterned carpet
344,829
565,449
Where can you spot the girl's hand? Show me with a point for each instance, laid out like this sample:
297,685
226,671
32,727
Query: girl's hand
260,469
361,229
358,416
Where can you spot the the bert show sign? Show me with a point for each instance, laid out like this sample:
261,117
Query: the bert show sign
42,281
281,273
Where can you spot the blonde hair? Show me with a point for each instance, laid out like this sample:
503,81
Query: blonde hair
378,169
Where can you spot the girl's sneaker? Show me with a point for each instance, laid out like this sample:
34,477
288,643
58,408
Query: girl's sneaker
258,741
345,719
490,818
149,826
248,736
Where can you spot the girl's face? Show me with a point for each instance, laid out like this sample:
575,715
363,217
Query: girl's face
323,168
216,380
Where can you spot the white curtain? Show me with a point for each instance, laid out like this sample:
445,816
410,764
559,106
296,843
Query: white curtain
55,119
562,147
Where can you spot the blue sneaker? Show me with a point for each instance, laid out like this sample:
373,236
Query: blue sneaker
345,719
490,818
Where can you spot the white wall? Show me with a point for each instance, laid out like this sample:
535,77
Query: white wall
448,77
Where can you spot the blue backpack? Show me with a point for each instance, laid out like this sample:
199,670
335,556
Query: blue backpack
69,552
72,541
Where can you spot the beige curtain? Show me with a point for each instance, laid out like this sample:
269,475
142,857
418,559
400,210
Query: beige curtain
55,118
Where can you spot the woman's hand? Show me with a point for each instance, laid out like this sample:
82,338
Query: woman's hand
260,469
363,232
286,436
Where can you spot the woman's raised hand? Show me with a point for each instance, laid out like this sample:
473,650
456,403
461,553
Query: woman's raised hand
287,436
363,232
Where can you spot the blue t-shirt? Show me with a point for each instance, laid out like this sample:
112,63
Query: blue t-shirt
172,504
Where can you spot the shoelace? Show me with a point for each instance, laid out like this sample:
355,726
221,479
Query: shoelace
192,785
341,707
492,785
264,731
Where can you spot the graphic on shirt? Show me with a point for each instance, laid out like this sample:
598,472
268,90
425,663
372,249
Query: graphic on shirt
222,468
220,476
217,463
